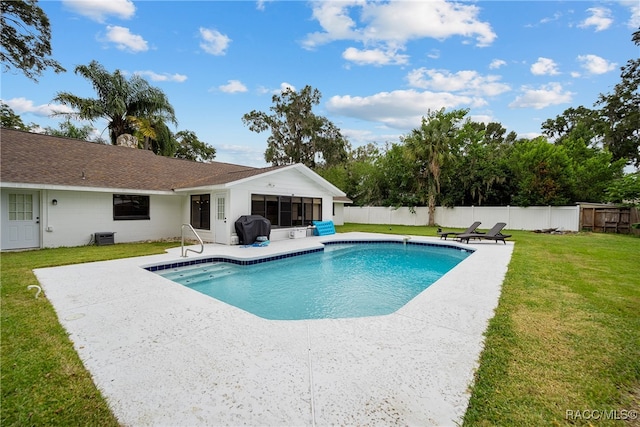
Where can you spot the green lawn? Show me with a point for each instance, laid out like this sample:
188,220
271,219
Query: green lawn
43,380
566,336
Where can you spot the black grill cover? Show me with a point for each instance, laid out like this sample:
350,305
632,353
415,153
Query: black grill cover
249,227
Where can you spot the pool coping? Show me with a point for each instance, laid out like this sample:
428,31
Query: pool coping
163,354
289,254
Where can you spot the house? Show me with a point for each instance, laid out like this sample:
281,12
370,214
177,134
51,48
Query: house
61,192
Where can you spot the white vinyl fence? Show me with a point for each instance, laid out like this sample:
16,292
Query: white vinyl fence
532,218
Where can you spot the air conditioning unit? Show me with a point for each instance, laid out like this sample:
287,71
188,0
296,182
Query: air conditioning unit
104,238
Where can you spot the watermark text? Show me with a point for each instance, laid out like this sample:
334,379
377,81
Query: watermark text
601,414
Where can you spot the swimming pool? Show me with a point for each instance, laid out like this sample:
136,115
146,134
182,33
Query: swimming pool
343,280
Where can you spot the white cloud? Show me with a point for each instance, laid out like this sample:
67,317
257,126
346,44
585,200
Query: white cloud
595,64
434,54
545,67
373,57
283,86
261,4
482,118
360,137
556,16
600,19
213,41
497,63
233,86
164,77
634,8
530,135
334,18
124,40
403,21
23,105
546,95
98,10
400,109
467,82
385,27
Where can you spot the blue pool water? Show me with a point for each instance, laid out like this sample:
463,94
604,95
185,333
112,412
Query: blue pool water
344,280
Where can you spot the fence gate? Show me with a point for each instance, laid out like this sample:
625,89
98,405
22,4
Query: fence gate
607,219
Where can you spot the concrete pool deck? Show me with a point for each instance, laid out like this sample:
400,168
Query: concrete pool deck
165,355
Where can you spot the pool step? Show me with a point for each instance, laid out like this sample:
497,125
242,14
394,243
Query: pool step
199,272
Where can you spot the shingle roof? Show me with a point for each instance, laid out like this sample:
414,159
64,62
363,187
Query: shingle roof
31,158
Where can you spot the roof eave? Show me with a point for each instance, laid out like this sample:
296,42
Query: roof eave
32,186
335,191
201,188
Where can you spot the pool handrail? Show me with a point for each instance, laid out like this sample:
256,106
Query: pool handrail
185,250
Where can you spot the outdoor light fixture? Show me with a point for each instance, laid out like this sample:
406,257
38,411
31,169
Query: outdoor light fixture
54,202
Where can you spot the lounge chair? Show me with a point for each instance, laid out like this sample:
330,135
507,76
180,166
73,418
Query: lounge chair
493,234
471,229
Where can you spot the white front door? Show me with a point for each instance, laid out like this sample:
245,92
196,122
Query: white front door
220,222
20,219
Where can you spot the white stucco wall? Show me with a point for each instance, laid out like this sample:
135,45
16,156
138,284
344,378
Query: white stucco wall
78,215
338,214
283,183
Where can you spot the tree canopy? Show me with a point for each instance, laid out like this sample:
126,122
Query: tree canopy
621,114
25,34
297,134
68,129
580,157
10,120
119,99
448,159
430,148
191,148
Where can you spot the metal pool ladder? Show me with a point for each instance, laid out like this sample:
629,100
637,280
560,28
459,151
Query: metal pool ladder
185,250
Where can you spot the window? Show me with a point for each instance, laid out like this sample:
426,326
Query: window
221,216
20,207
201,211
287,211
130,207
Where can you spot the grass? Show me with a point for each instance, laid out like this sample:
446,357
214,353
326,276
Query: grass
566,333
565,337
43,380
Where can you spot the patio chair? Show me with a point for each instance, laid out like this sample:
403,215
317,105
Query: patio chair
471,229
493,234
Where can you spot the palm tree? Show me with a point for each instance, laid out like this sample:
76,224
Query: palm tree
119,99
154,135
429,148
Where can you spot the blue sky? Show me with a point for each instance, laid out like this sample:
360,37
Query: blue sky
380,66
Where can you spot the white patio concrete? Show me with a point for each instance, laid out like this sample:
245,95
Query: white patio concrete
165,355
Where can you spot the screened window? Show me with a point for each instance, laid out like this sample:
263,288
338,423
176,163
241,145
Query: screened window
201,211
130,207
287,211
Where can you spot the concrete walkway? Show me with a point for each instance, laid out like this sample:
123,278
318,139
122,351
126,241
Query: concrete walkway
165,355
